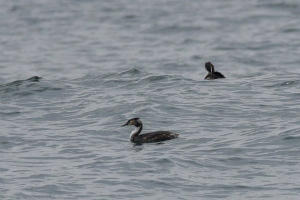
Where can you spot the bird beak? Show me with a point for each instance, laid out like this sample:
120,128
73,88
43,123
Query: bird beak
125,124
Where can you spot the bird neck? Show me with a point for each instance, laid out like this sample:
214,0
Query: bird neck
137,130
208,75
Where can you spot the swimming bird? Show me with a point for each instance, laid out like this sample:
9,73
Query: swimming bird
156,136
211,73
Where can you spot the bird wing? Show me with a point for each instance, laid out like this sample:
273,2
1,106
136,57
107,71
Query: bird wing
219,75
158,136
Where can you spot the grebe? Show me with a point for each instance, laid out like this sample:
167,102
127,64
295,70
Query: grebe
156,136
211,73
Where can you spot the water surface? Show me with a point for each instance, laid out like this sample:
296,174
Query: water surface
73,72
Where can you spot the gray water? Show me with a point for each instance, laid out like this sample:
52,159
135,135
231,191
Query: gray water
72,72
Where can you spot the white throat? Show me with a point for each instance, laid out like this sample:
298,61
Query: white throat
135,132
206,75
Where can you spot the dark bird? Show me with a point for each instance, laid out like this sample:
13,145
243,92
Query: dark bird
211,73
156,136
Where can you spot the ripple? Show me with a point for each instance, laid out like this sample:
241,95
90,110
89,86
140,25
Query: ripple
61,136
